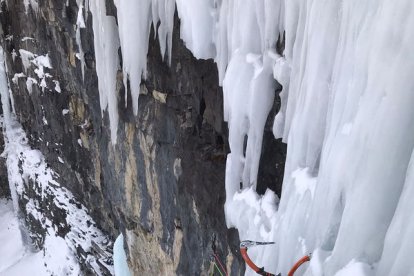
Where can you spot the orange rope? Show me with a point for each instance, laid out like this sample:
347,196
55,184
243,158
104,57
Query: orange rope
249,262
243,250
301,261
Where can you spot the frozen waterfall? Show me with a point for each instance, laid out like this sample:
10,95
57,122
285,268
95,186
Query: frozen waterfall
346,116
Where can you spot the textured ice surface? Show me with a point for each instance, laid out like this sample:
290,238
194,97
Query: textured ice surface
347,120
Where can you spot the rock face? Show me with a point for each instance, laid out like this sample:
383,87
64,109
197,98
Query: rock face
162,184
4,183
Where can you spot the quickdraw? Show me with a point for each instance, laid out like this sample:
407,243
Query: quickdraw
244,245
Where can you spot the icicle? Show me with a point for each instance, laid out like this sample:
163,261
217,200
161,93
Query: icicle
134,19
106,44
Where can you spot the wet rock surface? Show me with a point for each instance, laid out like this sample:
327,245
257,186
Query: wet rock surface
162,184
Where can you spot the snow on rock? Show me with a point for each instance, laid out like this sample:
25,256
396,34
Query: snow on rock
58,253
18,260
17,76
57,86
29,82
26,38
40,62
12,249
26,57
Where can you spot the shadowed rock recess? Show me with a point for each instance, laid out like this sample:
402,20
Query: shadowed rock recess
162,184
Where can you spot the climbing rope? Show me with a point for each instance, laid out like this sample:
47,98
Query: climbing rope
214,261
217,268
301,261
221,265
244,245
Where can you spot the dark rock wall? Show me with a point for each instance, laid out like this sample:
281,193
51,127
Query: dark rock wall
162,184
4,183
53,31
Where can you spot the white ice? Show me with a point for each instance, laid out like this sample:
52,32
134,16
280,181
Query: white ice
106,42
346,115
120,259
